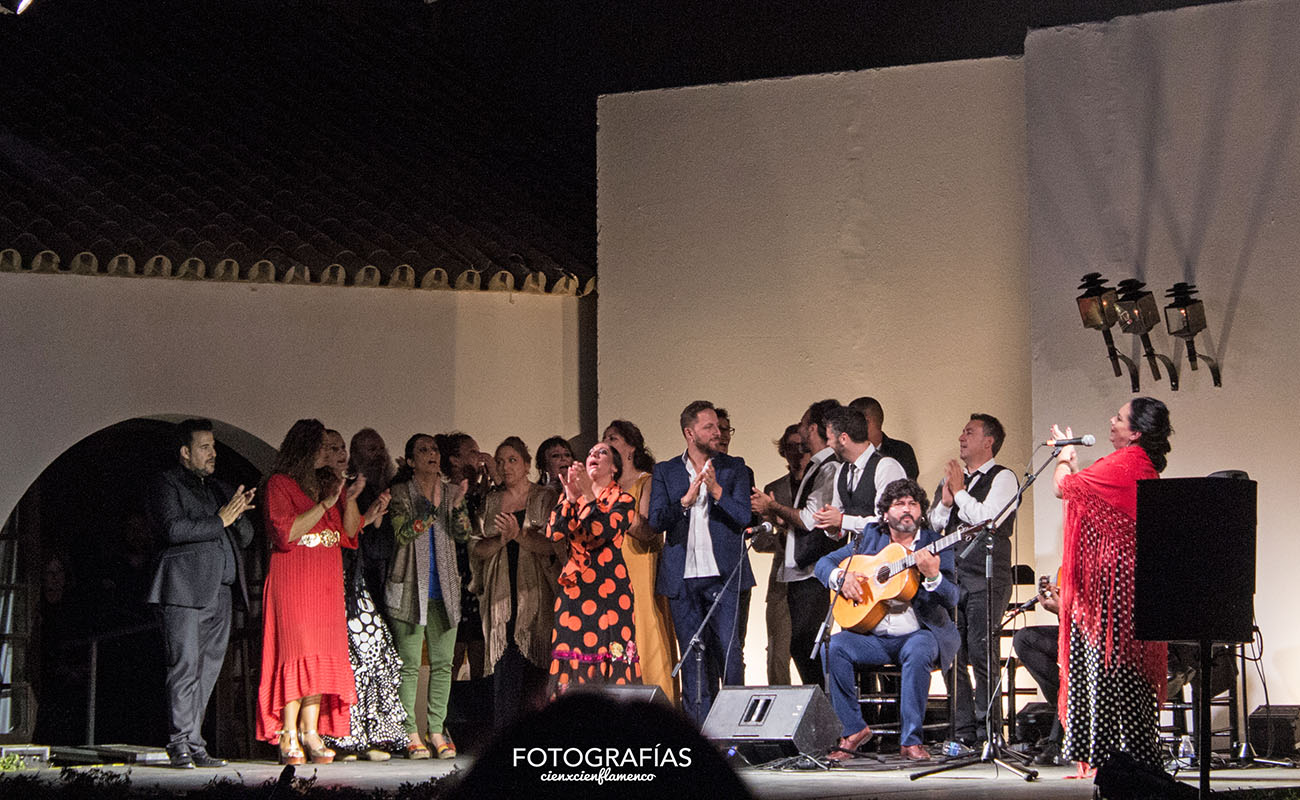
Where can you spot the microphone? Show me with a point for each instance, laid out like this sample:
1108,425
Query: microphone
765,527
1028,604
1087,440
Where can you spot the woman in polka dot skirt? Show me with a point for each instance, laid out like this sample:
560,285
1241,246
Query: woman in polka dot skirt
594,639
1111,684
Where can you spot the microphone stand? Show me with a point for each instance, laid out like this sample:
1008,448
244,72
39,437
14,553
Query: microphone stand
696,644
994,751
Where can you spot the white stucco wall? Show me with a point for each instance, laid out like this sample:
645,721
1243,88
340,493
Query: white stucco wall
768,244
1166,147
80,353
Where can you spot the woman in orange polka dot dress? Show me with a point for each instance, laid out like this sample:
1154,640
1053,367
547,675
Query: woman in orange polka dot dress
594,639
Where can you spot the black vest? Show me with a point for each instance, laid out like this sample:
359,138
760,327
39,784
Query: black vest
970,570
812,545
861,502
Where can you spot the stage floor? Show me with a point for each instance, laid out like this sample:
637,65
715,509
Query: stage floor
971,783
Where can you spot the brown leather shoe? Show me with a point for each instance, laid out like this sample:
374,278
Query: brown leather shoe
848,745
914,752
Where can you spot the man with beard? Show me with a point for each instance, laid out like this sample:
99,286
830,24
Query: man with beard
200,573
700,501
918,635
806,541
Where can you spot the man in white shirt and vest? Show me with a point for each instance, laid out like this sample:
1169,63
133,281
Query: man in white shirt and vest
974,489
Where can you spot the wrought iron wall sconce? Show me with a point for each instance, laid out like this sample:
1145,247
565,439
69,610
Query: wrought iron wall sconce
1184,318
1099,309
1136,312
1138,315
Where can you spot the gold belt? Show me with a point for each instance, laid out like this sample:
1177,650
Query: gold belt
326,538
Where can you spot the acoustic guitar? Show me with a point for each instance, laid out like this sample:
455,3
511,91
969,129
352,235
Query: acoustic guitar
891,576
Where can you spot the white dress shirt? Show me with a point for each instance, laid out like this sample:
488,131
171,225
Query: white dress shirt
971,511
888,470
700,562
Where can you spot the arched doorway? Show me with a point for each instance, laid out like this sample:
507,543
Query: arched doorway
82,654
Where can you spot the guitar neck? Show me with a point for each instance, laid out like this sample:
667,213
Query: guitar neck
937,546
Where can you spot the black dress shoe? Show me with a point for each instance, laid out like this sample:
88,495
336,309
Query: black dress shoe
1050,756
180,757
202,759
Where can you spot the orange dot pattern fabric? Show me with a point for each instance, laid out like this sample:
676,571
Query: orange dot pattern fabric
594,639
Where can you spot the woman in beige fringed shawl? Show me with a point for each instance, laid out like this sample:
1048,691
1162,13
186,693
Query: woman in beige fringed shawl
515,570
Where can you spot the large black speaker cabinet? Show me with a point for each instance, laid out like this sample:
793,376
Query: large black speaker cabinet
1195,570
1275,731
768,722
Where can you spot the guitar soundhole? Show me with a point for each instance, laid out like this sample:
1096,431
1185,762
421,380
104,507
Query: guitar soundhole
882,575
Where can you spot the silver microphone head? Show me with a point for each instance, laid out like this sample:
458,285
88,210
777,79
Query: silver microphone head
1089,440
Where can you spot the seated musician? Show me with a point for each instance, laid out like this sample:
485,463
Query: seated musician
919,635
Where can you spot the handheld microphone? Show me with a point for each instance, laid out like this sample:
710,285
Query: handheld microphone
1087,440
765,527
1028,604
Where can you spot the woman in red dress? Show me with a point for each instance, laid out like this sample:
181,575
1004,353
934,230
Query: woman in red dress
307,683
1111,683
595,638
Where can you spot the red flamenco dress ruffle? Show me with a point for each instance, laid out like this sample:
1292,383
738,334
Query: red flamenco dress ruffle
304,619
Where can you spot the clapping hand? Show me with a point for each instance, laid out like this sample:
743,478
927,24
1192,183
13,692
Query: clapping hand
710,478
693,491
1068,455
581,480
507,526
241,501
568,479
378,508
828,517
954,481
355,488
759,502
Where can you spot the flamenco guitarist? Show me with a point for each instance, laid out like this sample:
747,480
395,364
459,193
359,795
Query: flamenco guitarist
918,636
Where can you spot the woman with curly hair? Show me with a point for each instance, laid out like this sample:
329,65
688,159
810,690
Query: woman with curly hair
595,636
655,641
307,686
423,590
1111,683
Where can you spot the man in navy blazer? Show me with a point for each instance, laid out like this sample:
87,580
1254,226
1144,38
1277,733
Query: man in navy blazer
200,573
918,636
700,502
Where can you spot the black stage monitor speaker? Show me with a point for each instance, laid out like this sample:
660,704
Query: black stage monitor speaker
1195,570
764,723
1275,731
628,694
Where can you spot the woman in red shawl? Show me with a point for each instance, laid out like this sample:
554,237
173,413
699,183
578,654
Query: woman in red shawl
1110,683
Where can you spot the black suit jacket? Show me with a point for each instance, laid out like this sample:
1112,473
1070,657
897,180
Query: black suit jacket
184,510
901,452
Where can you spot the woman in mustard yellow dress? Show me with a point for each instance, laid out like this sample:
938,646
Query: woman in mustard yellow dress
655,640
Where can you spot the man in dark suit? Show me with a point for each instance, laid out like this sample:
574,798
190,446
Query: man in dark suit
896,449
700,501
918,636
200,571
